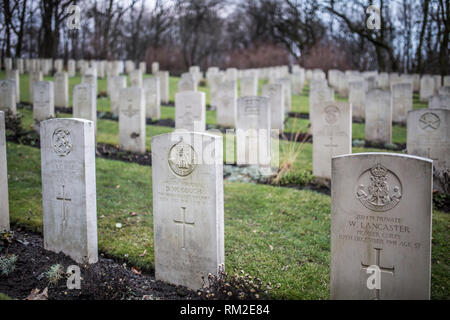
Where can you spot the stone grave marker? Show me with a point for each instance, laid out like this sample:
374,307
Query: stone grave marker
152,98
8,96
34,76
43,102
132,119
227,104
4,204
188,207
164,85
332,135
253,137
357,98
275,94
61,87
381,210
378,126
116,84
68,188
190,111
401,100
85,103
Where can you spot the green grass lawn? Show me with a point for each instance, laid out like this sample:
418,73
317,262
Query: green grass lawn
287,245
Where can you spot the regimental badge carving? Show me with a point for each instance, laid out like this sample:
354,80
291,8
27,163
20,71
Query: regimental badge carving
62,142
332,114
379,189
182,159
429,121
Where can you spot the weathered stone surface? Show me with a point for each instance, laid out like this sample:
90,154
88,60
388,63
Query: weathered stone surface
4,204
427,87
85,103
428,135
43,102
152,98
249,86
439,102
276,101
164,85
190,111
13,75
132,119
357,98
8,96
61,87
332,135
381,212
188,207
34,77
68,188
227,104
116,84
401,100
253,131
378,126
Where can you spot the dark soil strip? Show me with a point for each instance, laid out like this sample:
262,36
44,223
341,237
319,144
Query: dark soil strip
108,151
103,280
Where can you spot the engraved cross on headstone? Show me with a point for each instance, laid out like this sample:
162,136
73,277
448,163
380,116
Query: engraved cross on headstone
63,199
382,270
184,223
331,145
129,112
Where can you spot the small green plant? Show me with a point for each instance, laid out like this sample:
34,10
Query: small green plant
8,264
240,286
55,273
288,157
301,178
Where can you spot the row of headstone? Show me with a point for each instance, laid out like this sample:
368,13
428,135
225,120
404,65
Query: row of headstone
103,68
371,253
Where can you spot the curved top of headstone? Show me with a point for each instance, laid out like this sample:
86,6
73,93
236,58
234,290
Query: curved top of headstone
386,154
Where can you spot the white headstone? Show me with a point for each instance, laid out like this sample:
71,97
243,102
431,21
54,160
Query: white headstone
71,68
401,100
249,86
34,77
187,83
136,78
190,111
68,188
43,102
61,87
152,98
4,204
357,98
85,103
155,68
427,85
227,104
188,207
132,119
116,84
378,126
332,135
164,85
8,96
381,209
253,137
439,101
276,100
428,135
286,82
13,75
